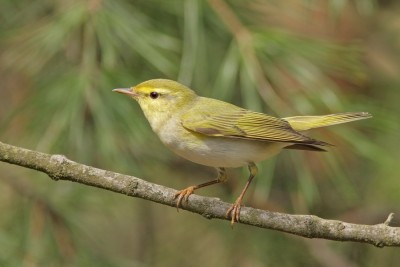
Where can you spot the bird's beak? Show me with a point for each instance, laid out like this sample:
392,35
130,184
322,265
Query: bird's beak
125,91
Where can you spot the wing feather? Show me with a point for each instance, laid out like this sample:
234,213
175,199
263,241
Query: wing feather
241,123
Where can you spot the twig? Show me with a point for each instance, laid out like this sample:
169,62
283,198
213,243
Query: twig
389,219
58,167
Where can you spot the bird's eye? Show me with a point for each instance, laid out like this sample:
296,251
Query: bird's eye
154,95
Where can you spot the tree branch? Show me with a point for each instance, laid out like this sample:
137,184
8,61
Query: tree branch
58,167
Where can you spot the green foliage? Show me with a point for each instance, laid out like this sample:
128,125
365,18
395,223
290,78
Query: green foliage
59,61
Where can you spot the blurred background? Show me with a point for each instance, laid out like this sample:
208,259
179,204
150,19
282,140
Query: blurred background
59,61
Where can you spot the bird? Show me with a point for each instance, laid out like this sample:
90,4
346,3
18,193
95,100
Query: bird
218,134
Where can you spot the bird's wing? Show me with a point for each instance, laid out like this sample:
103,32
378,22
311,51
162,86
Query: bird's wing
245,124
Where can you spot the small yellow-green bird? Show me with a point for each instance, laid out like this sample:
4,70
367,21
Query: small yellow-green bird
218,134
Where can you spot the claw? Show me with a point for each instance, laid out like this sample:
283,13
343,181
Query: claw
183,195
234,212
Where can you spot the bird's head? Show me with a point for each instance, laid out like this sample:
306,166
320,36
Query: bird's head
159,97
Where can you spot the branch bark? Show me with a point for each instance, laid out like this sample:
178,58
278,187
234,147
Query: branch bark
58,167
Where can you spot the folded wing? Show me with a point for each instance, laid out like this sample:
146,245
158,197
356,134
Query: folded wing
245,124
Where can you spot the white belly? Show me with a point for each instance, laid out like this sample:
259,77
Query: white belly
228,152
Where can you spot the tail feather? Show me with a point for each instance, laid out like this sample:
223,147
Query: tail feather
305,147
303,123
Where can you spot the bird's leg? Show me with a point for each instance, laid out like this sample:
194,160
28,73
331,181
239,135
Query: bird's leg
183,195
234,211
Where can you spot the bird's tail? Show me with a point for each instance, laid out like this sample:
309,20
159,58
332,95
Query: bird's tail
303,123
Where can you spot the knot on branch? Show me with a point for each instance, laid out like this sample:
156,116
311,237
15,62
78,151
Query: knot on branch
57,166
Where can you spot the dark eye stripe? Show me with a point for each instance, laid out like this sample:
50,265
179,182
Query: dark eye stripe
154,95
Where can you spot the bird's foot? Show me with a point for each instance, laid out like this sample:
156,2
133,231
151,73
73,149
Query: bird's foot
234,212
183,195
